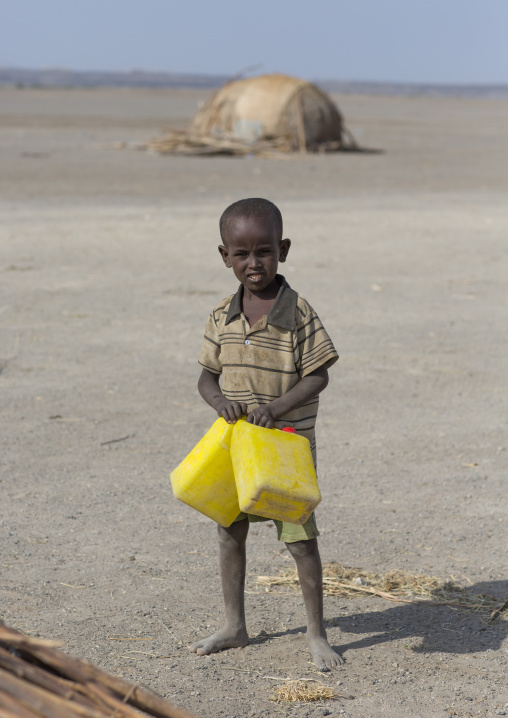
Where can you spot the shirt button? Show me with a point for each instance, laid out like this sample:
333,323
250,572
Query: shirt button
247,341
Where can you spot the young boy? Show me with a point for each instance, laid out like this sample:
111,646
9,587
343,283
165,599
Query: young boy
272,353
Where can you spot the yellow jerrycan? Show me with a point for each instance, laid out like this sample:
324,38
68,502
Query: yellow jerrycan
274,473
205,479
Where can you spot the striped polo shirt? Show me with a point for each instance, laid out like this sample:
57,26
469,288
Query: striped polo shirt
260,363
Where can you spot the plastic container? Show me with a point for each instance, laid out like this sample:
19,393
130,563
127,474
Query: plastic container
205,479
274,473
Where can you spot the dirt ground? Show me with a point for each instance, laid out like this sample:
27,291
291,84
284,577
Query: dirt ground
108,269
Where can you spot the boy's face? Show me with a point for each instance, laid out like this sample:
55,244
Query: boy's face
253,249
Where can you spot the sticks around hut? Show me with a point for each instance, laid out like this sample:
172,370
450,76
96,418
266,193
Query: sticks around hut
39,680
181,142
302,140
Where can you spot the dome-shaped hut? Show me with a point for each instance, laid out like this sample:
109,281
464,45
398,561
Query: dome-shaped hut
269,107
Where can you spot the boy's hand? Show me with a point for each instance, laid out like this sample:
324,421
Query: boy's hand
262,416
231,411
208,386
307,388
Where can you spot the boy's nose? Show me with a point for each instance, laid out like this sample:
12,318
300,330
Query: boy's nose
254,261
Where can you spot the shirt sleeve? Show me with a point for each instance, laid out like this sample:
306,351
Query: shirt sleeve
209,357
315,347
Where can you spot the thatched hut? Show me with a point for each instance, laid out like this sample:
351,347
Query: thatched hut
262,115
270,107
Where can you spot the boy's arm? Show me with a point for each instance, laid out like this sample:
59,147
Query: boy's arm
306,389
208,387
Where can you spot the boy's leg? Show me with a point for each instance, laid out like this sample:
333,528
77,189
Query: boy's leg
310,573
232,570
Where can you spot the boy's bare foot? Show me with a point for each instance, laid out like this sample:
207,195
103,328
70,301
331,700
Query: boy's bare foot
226,638
323,655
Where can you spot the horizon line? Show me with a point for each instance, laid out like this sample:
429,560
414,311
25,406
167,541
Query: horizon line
224,77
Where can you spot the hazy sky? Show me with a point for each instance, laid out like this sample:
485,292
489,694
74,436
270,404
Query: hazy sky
435,41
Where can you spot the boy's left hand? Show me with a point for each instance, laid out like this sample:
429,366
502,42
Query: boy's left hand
307,388
262,416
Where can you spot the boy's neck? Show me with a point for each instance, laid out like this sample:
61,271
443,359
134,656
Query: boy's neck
266,295
256,305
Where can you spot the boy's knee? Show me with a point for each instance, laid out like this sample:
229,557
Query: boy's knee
300,549
235,534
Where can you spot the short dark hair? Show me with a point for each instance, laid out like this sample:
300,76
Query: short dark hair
251,207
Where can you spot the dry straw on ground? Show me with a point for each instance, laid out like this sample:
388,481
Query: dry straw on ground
303,691
182,142
396,585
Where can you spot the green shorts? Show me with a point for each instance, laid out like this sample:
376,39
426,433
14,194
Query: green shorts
289,533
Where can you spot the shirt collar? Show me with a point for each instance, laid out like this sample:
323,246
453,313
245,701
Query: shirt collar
283,311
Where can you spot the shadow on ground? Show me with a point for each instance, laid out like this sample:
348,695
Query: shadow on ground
439,628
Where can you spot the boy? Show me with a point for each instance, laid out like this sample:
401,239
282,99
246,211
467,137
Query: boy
273,353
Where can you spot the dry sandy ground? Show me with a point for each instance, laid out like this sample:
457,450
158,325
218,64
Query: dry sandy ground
108,270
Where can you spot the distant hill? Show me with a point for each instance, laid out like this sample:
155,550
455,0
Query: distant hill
407,89
58,77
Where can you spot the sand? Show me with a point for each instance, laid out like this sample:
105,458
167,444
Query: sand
108,270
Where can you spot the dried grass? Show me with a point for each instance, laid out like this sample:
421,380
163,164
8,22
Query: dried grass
183,142
298,691
400,586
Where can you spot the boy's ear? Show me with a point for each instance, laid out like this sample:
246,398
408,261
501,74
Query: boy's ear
223,251
284,246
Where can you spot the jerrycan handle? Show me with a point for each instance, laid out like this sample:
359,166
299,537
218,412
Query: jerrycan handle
225,439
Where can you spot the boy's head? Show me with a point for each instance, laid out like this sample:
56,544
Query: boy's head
251,230
252,207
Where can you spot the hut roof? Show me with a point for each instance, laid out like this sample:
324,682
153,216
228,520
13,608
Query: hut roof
268,107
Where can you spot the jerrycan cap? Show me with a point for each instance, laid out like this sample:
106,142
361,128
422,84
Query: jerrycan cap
289,430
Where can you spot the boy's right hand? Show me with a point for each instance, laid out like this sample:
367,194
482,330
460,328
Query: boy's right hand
231,411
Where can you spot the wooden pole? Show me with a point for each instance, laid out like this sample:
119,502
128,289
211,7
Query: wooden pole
94,692
302,140
10,708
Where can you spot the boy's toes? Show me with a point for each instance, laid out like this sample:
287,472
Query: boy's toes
220,641
327,664
323,655
333,661
199,648
321,665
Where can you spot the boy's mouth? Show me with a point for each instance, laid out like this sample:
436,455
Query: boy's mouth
256,277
